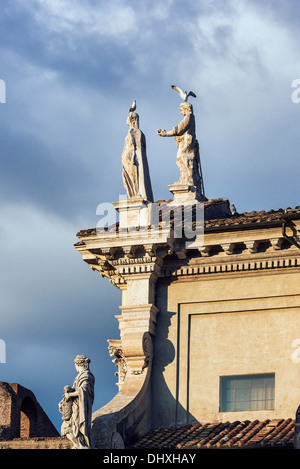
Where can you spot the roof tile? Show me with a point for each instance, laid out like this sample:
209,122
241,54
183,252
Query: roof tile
245,218
239,434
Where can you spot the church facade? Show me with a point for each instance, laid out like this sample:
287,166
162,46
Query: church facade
206,334
209,327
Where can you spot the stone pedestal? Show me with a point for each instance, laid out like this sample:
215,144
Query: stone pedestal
184,193
133,212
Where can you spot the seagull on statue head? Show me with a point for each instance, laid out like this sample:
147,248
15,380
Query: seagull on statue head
184,95
133,106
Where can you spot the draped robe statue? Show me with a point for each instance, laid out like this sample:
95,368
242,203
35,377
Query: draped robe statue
76,406
136,177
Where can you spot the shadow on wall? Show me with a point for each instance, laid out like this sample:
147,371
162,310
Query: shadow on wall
166,407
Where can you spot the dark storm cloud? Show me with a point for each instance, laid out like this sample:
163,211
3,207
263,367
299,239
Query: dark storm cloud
32,31
33,172
71,70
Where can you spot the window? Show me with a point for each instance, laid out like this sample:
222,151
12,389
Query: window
248,392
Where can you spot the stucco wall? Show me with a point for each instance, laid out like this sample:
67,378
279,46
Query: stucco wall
225,324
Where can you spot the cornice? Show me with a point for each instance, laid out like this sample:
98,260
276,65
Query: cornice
263,247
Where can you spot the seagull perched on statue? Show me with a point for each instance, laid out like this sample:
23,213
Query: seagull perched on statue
133,106
184,95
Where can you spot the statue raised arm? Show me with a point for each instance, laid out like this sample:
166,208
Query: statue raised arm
188,159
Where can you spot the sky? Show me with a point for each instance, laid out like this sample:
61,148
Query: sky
71,70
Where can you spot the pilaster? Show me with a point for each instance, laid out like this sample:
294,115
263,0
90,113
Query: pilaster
132,263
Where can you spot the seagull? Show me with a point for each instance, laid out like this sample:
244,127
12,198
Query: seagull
232,209
133,106
183,94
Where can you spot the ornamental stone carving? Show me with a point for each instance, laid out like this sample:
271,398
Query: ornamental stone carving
115,350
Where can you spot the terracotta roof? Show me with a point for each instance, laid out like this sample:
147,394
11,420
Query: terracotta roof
262,216
277,433
238,220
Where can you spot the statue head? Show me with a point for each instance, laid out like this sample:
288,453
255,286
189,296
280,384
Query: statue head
133,120
186,108
82,362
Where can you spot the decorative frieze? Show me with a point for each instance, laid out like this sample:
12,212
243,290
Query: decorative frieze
229,267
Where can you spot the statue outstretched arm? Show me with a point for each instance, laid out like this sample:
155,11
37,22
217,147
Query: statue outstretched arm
170,133
178,130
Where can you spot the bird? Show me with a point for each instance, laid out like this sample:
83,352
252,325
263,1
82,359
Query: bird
232,209
184,95
133,106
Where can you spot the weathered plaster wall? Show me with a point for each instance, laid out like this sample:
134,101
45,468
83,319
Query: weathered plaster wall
226,324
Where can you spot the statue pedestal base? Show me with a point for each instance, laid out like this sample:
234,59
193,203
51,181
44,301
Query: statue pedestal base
133,212
184,193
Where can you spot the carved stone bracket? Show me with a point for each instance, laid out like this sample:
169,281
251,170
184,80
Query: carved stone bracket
115,350
276,243
204,251
228,248
252,246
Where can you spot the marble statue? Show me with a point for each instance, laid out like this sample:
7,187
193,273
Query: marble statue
76,406
188,159
136,177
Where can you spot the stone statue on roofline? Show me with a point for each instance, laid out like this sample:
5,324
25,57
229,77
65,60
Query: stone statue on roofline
188,156
76,406
136,177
